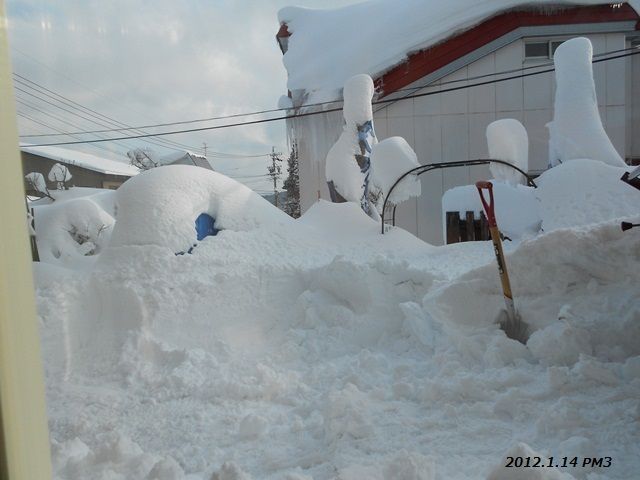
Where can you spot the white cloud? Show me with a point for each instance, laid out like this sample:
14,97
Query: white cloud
145,62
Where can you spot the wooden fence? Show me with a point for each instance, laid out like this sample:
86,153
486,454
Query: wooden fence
466,229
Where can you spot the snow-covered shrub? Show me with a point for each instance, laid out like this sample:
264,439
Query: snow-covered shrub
68,230
36,181
507,140
60,175
390,159
576,130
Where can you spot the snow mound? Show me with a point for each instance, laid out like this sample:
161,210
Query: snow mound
583,192
576,130
508,141
391,158
545,273
160,206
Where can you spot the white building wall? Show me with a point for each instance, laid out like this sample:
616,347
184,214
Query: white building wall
451,126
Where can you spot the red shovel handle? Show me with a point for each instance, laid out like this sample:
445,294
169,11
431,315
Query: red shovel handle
488,207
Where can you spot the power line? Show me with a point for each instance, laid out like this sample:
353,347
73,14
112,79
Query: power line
23,115
57,118
260,112
50,94
514,70
307,114
93,114
71,79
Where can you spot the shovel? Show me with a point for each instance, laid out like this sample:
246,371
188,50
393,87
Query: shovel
510,321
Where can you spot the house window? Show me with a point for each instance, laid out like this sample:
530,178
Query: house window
541,49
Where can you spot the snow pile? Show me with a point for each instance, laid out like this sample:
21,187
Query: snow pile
347,41
76,226
583,192
516,207
341,167
323,350
160,206
576,130
280,355
390,159
508,141
574,194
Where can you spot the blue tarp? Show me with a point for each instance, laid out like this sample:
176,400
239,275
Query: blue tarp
205,226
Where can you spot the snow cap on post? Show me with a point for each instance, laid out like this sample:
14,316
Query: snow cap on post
508,141
357,94
576,130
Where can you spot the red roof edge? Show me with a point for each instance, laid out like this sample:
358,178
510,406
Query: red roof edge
424,62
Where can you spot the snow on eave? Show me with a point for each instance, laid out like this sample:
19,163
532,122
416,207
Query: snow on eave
328,46
83,160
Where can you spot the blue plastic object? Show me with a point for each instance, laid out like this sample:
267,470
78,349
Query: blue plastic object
205,226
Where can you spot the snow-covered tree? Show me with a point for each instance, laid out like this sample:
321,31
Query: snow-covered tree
60,175
292,184
143,158
37,183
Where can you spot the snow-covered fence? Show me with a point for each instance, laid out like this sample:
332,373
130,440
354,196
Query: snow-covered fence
466,229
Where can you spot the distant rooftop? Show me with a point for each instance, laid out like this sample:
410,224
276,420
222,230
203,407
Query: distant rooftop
83,160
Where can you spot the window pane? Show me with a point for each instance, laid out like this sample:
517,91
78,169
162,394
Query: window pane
536,50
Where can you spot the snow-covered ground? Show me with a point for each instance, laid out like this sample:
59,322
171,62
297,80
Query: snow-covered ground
320,349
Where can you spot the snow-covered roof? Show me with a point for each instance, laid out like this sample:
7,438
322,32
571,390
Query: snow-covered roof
83,160
326,47
195,158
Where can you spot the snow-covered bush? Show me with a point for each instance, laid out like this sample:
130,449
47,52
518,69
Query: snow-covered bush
71,229
36,181
390,159
508,141
576,130
60,175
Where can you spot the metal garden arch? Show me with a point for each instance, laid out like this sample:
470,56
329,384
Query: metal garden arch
436,166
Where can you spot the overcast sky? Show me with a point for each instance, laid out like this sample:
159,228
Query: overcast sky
144,62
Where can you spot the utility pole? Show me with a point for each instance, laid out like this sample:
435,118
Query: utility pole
274,172
204,145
